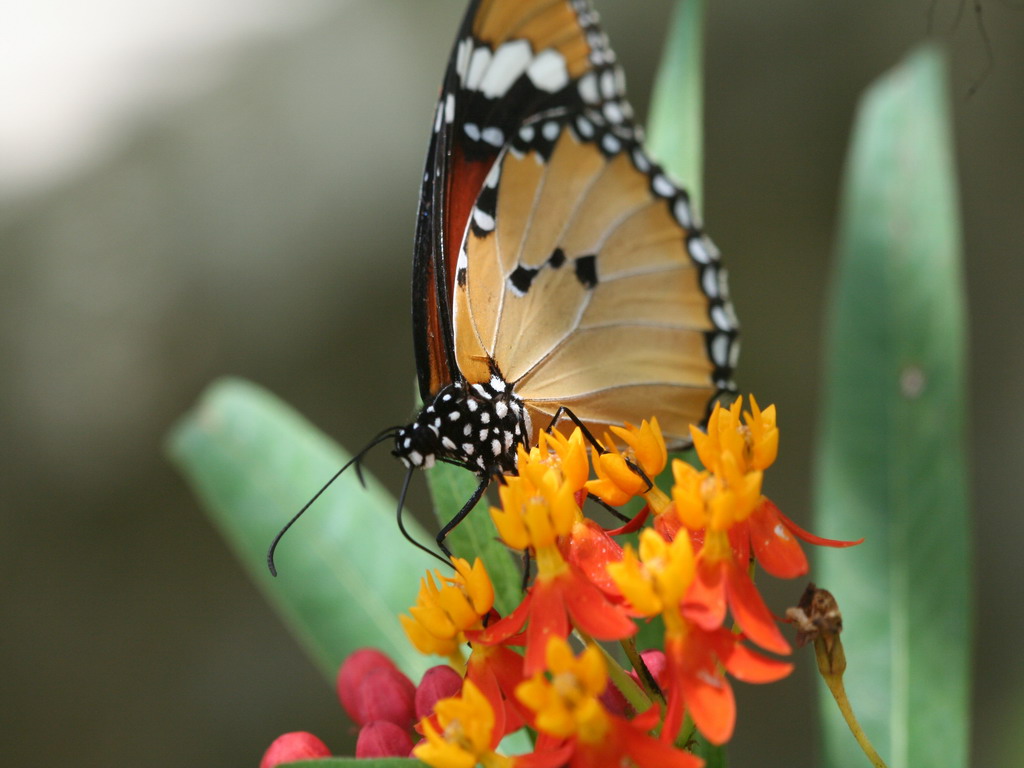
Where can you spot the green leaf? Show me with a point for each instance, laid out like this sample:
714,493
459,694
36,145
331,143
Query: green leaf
675,126
344,570
892,452
714,757
475,536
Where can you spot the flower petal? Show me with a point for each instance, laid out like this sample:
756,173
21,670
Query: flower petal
500,631
776,550
705,601
591,611
547,619
708,695
750,612
591,548
545,758
651,753
748,665
810,538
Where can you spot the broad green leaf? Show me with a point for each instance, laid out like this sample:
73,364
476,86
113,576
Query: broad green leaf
344,570
675,126
476,536
891,451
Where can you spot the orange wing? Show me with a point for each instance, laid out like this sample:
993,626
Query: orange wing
586,280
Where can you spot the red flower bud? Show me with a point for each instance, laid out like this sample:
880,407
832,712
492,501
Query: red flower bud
351,674
385,694
289,747
383,739
440,682
614,701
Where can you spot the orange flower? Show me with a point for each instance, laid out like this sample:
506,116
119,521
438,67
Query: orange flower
573,723
442,614
461,733
496,671
658,582
753,440
617,482
773,539
539,510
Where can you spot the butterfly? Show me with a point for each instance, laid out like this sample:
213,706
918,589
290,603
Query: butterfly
556,265
557,268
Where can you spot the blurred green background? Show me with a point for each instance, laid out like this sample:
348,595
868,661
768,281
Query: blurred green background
233,191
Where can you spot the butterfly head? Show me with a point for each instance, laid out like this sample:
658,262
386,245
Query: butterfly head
417,444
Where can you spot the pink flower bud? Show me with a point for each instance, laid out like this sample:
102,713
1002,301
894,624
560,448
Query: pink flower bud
289,747
351,674
654,660
440,682
385,694
383,739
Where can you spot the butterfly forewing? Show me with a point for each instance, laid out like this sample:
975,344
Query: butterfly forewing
512,60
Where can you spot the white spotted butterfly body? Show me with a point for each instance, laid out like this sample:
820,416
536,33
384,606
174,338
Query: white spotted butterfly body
556,265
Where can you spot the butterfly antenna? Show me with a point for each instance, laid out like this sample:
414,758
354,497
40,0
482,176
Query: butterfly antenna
401,525
377,440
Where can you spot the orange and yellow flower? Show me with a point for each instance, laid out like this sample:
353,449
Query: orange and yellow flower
657,581
461,733
447,606
573,724
539,510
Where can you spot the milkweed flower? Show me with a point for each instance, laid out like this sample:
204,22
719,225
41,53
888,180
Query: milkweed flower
751,437
496,670
656,581
447,606
574,724
461,733
723,506
538,511
617,481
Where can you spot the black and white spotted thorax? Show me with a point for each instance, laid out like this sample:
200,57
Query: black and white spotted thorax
477,426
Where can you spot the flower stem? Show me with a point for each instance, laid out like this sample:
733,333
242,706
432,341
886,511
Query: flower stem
619,678
832,664
647,681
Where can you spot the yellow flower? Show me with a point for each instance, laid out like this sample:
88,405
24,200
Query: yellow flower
656,581
442,613
714,500
753,442
617,482
764,435
566,703
467,723
568,453
722,436
537,506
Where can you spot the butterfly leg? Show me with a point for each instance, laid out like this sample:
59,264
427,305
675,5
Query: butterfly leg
562,410
485,480
527,563
610,509
401,525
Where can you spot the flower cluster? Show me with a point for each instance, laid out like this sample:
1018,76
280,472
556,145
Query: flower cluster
690,569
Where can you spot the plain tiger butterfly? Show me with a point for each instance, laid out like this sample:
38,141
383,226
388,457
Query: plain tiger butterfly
556,266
